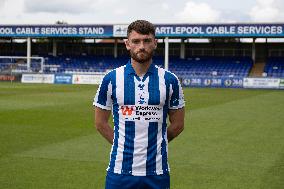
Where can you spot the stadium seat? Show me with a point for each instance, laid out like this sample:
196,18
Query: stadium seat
274,67
193,66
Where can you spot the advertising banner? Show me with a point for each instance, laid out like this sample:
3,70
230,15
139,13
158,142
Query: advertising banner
265,83
203,82
7,78
37,78
223,82
120,30
56,31
63,79
281,84
221,30
210,30
162,30
87,79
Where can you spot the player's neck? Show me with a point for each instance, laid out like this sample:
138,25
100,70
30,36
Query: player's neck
141,69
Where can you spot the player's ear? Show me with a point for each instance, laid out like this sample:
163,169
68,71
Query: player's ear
127,44
156,43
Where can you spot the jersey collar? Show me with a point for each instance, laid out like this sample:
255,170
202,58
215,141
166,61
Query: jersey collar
130,70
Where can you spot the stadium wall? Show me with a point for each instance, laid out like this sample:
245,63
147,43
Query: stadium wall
201,82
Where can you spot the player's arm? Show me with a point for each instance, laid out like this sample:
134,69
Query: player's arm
102,124
176,118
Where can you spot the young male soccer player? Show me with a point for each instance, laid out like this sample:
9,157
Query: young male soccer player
140,95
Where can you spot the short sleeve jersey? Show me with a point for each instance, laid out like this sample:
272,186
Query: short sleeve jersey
139,106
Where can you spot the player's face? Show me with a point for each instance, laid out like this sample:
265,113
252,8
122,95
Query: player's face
141,47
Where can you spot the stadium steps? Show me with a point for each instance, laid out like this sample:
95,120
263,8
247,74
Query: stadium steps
257,69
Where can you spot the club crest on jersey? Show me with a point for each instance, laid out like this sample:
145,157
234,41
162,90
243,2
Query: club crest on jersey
141,100
141,86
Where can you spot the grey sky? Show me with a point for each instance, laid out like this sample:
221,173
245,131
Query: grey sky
125,11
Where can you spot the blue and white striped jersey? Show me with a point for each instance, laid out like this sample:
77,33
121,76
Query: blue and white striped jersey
139,106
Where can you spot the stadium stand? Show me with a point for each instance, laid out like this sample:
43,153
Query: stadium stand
212,66
214,59
68,64
274,67
194,66
197,66
5,64
18,65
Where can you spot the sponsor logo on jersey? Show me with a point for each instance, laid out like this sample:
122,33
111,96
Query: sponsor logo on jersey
141,112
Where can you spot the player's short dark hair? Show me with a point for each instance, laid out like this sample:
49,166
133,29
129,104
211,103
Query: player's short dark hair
142,27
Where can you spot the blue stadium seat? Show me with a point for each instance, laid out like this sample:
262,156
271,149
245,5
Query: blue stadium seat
194,66
274,67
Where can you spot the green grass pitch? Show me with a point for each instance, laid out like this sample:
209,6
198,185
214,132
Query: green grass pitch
233,138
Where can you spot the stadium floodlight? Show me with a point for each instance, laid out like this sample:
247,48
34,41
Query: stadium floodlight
17,63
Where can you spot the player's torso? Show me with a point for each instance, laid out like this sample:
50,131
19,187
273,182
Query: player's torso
140,128
141,101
